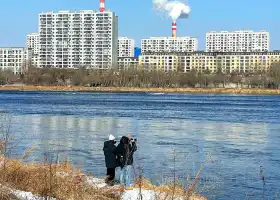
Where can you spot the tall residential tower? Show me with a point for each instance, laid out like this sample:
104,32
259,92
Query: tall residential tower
78,39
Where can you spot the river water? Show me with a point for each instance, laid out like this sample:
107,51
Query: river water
231,136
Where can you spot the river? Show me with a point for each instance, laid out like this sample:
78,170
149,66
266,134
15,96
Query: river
231,136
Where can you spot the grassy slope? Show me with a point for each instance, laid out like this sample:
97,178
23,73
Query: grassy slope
44,180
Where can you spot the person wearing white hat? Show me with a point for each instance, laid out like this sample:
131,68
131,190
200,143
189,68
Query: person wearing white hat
110,159
111,138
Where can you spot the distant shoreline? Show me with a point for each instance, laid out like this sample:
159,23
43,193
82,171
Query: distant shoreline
134,89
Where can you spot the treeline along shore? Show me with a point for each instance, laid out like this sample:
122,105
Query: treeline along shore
138,80
134,89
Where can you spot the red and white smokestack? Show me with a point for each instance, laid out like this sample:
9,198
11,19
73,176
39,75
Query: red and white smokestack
102,6
174,29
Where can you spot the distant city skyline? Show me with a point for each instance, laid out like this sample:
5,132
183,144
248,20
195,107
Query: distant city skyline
137,20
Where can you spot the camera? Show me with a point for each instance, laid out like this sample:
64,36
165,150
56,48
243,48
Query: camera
133,139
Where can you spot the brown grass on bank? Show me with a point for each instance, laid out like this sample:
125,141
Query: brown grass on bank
166,191
42,180
134,89
5,194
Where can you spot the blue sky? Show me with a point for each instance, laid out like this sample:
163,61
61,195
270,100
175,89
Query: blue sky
138,20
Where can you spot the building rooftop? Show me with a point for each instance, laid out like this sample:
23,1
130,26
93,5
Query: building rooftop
211,53
12,47
33,34
124,38
238,31
79,11
170,38
121,58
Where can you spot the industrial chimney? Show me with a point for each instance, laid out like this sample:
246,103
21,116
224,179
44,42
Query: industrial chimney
102,6
174,29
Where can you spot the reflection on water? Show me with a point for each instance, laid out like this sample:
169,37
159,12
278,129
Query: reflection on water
232,136
229,149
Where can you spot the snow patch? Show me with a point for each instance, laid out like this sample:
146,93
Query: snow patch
95,182
136,194
28,195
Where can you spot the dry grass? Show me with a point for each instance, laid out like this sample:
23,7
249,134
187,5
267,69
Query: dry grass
133,89
5,194
42,180
166,192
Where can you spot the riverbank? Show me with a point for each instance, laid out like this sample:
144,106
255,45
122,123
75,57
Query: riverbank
134,89
28,181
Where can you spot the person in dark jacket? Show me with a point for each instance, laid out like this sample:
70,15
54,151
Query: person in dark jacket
110,159
124,152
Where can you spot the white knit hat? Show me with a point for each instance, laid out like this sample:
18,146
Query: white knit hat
111,137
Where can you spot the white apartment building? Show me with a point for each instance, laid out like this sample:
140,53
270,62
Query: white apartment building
169,44
242,62
237,41
13,58
32,43
126,47
127,63
78,39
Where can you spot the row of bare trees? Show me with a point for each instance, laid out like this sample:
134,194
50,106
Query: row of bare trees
142,78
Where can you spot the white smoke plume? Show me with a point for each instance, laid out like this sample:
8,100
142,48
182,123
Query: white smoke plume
175,9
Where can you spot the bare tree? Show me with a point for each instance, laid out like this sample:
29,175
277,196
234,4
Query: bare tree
275,73
149,76
5,137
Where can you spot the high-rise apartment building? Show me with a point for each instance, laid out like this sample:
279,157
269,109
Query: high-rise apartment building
237,41
126,47
78,39
32,43
13,58
169,44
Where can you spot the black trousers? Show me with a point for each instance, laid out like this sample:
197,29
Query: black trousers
111,173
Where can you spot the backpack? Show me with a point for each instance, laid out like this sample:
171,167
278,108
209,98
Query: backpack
122,158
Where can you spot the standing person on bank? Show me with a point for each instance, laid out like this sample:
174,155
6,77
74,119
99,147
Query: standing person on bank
110,159
124,152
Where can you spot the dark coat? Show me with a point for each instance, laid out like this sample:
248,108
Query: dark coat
125,149
110,157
